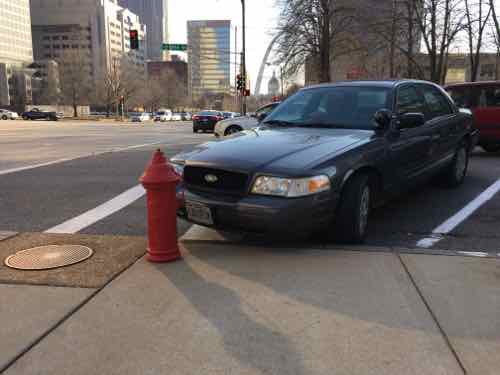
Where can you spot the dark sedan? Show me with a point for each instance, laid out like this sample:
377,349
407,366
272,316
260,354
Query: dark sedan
36,114
206,120
326,156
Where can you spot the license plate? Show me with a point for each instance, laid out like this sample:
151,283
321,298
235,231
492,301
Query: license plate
199,213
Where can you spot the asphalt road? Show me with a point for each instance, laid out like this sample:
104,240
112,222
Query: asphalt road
104,159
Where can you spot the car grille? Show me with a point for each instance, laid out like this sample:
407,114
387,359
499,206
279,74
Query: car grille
230,182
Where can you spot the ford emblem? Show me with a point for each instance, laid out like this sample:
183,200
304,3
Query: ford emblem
211,178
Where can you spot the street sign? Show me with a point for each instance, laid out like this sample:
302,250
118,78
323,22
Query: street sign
173,47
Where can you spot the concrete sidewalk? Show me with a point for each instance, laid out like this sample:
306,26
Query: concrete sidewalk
229,309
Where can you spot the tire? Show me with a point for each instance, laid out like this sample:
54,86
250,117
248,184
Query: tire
488,147
455,173
195,130
354,210
232,129
4,117
25,118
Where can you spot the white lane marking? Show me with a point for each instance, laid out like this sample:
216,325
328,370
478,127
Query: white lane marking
460,216
100,212
474,253
57,161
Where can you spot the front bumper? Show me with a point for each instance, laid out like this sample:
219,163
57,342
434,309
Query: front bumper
264,214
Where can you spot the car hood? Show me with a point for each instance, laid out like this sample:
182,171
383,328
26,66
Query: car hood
269,149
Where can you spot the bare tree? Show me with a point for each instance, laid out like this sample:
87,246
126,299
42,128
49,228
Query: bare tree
439,22
166,90
74,76
123,79
477,20
310,29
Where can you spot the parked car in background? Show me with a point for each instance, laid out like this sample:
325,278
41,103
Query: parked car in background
483,100
229,115
325,157
176,116
206,120
236,124
186,116
5,114
140,117
37,114
163,115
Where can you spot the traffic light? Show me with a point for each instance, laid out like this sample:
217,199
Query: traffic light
239,82
134,39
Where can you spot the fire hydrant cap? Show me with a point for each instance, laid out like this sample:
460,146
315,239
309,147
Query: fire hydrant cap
159,171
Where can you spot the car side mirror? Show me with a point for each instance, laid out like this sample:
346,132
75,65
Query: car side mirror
261,117
410,120
382,119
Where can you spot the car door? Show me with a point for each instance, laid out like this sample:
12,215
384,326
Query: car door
409,147
444,122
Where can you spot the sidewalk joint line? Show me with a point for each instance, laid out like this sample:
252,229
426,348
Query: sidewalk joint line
434,317
63,319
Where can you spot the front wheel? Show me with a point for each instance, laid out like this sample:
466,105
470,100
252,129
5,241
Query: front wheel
455,173
4,117
354,208
232,129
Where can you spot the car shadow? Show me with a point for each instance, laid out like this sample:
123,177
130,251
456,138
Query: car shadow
252,343
354,289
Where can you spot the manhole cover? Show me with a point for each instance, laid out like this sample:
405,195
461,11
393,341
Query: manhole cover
46,257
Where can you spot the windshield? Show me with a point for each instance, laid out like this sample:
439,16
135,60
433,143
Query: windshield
341,106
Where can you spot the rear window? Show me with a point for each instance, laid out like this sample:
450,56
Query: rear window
208,113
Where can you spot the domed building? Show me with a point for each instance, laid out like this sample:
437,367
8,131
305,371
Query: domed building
273,86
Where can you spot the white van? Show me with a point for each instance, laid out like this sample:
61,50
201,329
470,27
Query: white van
163,115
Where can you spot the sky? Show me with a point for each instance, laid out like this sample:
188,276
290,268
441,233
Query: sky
261,18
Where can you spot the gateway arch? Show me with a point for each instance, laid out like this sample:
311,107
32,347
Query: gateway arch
263,66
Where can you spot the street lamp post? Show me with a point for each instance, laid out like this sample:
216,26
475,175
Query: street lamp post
243,57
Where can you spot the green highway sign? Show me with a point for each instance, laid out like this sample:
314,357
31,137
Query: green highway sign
173,47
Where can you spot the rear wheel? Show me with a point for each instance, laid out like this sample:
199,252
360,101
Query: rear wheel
455,173
489,147
354,210
4,117
232,129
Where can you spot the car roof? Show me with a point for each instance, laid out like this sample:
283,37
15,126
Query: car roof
477,83
389,83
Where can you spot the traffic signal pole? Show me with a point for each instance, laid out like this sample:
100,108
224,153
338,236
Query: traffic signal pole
243,58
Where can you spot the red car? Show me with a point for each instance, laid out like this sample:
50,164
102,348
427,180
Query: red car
483,99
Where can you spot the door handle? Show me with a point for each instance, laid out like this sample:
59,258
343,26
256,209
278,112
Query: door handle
435,137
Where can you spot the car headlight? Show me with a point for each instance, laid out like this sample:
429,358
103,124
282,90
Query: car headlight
290,187
179,168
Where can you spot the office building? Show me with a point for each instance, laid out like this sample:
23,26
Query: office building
15,51
161,69
95,31
208,57
154,14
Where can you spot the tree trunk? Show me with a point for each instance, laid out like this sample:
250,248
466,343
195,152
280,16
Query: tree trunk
325,42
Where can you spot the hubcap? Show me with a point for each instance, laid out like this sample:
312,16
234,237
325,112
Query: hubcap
232,130
364,210
461,164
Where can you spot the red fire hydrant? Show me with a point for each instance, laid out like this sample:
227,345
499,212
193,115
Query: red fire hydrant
160,180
